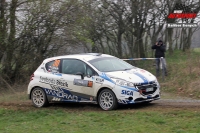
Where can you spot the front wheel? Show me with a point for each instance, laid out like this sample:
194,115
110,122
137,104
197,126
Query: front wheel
39,98
107,100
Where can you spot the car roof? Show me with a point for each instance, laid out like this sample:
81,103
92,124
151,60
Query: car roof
82,56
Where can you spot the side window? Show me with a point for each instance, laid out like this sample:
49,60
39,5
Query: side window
72,66
89,71
53,66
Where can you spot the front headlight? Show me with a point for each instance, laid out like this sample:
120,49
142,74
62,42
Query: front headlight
121,82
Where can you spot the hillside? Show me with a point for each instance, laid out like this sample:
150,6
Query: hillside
184,72
196,39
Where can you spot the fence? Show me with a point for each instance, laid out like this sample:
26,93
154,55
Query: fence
139,62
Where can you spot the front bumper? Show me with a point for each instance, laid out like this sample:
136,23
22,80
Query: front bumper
134,95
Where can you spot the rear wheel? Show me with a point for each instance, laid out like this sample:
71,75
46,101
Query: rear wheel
39,98
107,100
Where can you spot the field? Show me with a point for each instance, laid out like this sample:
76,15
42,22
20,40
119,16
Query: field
183,72
154,118
177,111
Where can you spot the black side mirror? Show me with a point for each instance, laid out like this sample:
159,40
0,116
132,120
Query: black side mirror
81,74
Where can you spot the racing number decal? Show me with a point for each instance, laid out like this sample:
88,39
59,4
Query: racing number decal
54,68
56,63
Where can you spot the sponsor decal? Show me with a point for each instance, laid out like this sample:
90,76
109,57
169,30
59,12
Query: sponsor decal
61,83
54,87
122,101
54,69
104,76
81,82
56,99
61,93
47,80
53,81
99,80
83,99
90,83
143,71
127,92
57,74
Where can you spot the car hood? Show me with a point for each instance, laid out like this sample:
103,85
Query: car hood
135,75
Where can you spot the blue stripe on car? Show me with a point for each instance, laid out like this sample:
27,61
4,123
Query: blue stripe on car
142,77
104,76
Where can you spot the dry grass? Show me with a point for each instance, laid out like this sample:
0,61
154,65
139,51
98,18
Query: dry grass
17,93
184,69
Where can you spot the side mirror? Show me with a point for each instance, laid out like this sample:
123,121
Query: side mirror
89,75
81,74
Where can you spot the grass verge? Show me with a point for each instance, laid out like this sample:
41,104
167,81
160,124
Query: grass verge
44,120
184,72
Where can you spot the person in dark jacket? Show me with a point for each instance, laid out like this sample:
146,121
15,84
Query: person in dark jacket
160,52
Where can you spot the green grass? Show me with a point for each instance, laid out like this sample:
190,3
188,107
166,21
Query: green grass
197,49
57,121
184,72
183,79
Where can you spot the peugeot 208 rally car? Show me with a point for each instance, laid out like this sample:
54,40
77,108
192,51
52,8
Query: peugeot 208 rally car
93,78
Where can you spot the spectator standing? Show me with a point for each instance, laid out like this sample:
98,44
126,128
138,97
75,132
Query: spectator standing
160,50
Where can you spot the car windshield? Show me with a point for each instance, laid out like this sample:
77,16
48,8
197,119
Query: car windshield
109,64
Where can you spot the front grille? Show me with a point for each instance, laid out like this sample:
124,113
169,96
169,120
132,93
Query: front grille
144,99
147,89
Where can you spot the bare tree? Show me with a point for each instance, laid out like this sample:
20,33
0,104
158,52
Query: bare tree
32,28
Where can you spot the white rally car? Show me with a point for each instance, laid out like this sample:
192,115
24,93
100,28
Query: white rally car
92,78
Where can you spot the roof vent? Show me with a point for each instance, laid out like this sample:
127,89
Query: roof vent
95,54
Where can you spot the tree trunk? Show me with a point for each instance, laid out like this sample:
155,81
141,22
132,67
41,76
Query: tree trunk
170,35
10,45
181,41
189,38
2,28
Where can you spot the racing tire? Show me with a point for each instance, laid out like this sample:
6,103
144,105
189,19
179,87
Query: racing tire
107,100
39,98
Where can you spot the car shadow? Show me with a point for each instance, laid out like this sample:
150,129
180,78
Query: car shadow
136,106
96,107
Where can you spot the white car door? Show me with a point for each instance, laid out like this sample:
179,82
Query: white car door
76,74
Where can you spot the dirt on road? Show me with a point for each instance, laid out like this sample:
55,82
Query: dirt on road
164,104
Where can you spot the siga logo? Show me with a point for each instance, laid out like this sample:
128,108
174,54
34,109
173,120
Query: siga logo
126,92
